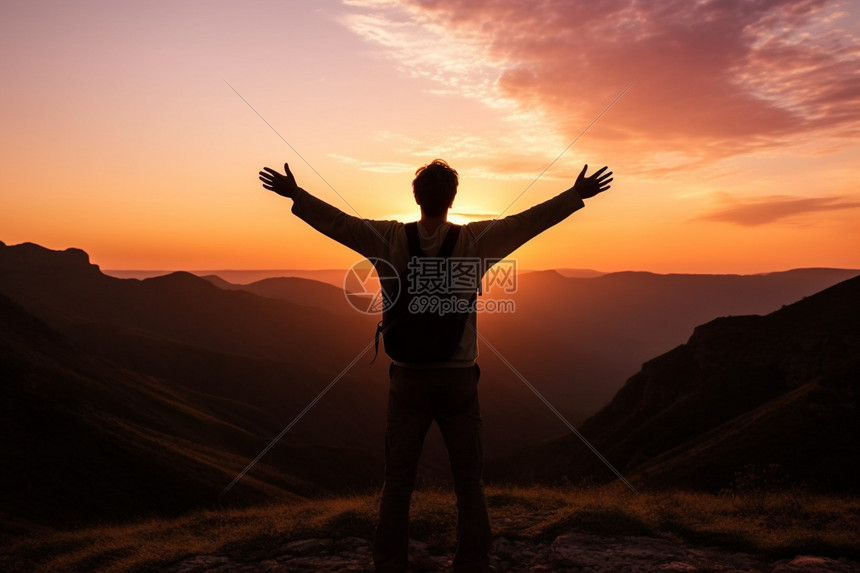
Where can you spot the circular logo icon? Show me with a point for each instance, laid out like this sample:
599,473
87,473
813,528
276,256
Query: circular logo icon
371,285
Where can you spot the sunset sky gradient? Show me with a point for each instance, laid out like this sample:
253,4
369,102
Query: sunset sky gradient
737,148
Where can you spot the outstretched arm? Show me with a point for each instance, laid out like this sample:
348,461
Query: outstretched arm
500,237
367,237
284,185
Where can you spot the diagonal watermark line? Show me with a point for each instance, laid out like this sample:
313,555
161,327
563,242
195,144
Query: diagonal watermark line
554,411
294,421
553,162
372,228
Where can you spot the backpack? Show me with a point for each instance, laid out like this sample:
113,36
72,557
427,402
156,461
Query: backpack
425,336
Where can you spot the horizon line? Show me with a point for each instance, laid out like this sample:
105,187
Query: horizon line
526,269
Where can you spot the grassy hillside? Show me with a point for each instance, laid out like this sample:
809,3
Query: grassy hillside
784,525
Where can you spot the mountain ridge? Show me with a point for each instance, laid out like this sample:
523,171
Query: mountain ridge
211,375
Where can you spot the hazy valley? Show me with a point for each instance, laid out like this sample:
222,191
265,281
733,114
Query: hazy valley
126,397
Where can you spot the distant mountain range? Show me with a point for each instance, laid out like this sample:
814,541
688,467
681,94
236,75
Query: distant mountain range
744,392
333,277
579,339
578,334
124,397
301,291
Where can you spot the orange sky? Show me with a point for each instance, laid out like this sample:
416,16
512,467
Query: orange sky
736,149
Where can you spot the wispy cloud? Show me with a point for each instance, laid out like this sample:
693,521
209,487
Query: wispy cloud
425,48
765,210
493,154
374,166
713,78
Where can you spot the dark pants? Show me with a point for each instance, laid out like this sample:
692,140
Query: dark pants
416,398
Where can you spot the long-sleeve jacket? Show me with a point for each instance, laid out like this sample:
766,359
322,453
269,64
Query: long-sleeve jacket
487,241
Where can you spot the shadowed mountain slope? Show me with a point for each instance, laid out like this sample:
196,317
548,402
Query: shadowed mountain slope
85,440
106,380
746,390
64,288
235,369
266,352
301,291
579,339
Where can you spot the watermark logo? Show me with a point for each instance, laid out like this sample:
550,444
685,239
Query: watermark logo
461,275
452,304
371,285
432,285
501,275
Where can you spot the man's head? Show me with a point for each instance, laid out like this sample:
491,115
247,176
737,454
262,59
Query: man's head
434,187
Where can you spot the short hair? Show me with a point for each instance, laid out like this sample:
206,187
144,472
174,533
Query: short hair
435,186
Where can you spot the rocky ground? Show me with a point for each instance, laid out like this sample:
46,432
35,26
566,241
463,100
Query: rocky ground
569,552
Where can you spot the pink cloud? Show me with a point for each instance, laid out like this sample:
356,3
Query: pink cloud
713,78
774,208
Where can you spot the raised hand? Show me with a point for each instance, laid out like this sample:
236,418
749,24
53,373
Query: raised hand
588,187
284,185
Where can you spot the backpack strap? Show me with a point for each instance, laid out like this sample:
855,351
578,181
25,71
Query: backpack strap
413,240
376,336
448,244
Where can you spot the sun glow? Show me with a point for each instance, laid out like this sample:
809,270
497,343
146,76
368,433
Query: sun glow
459,219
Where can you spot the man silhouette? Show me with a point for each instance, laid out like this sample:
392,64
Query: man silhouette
441,384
